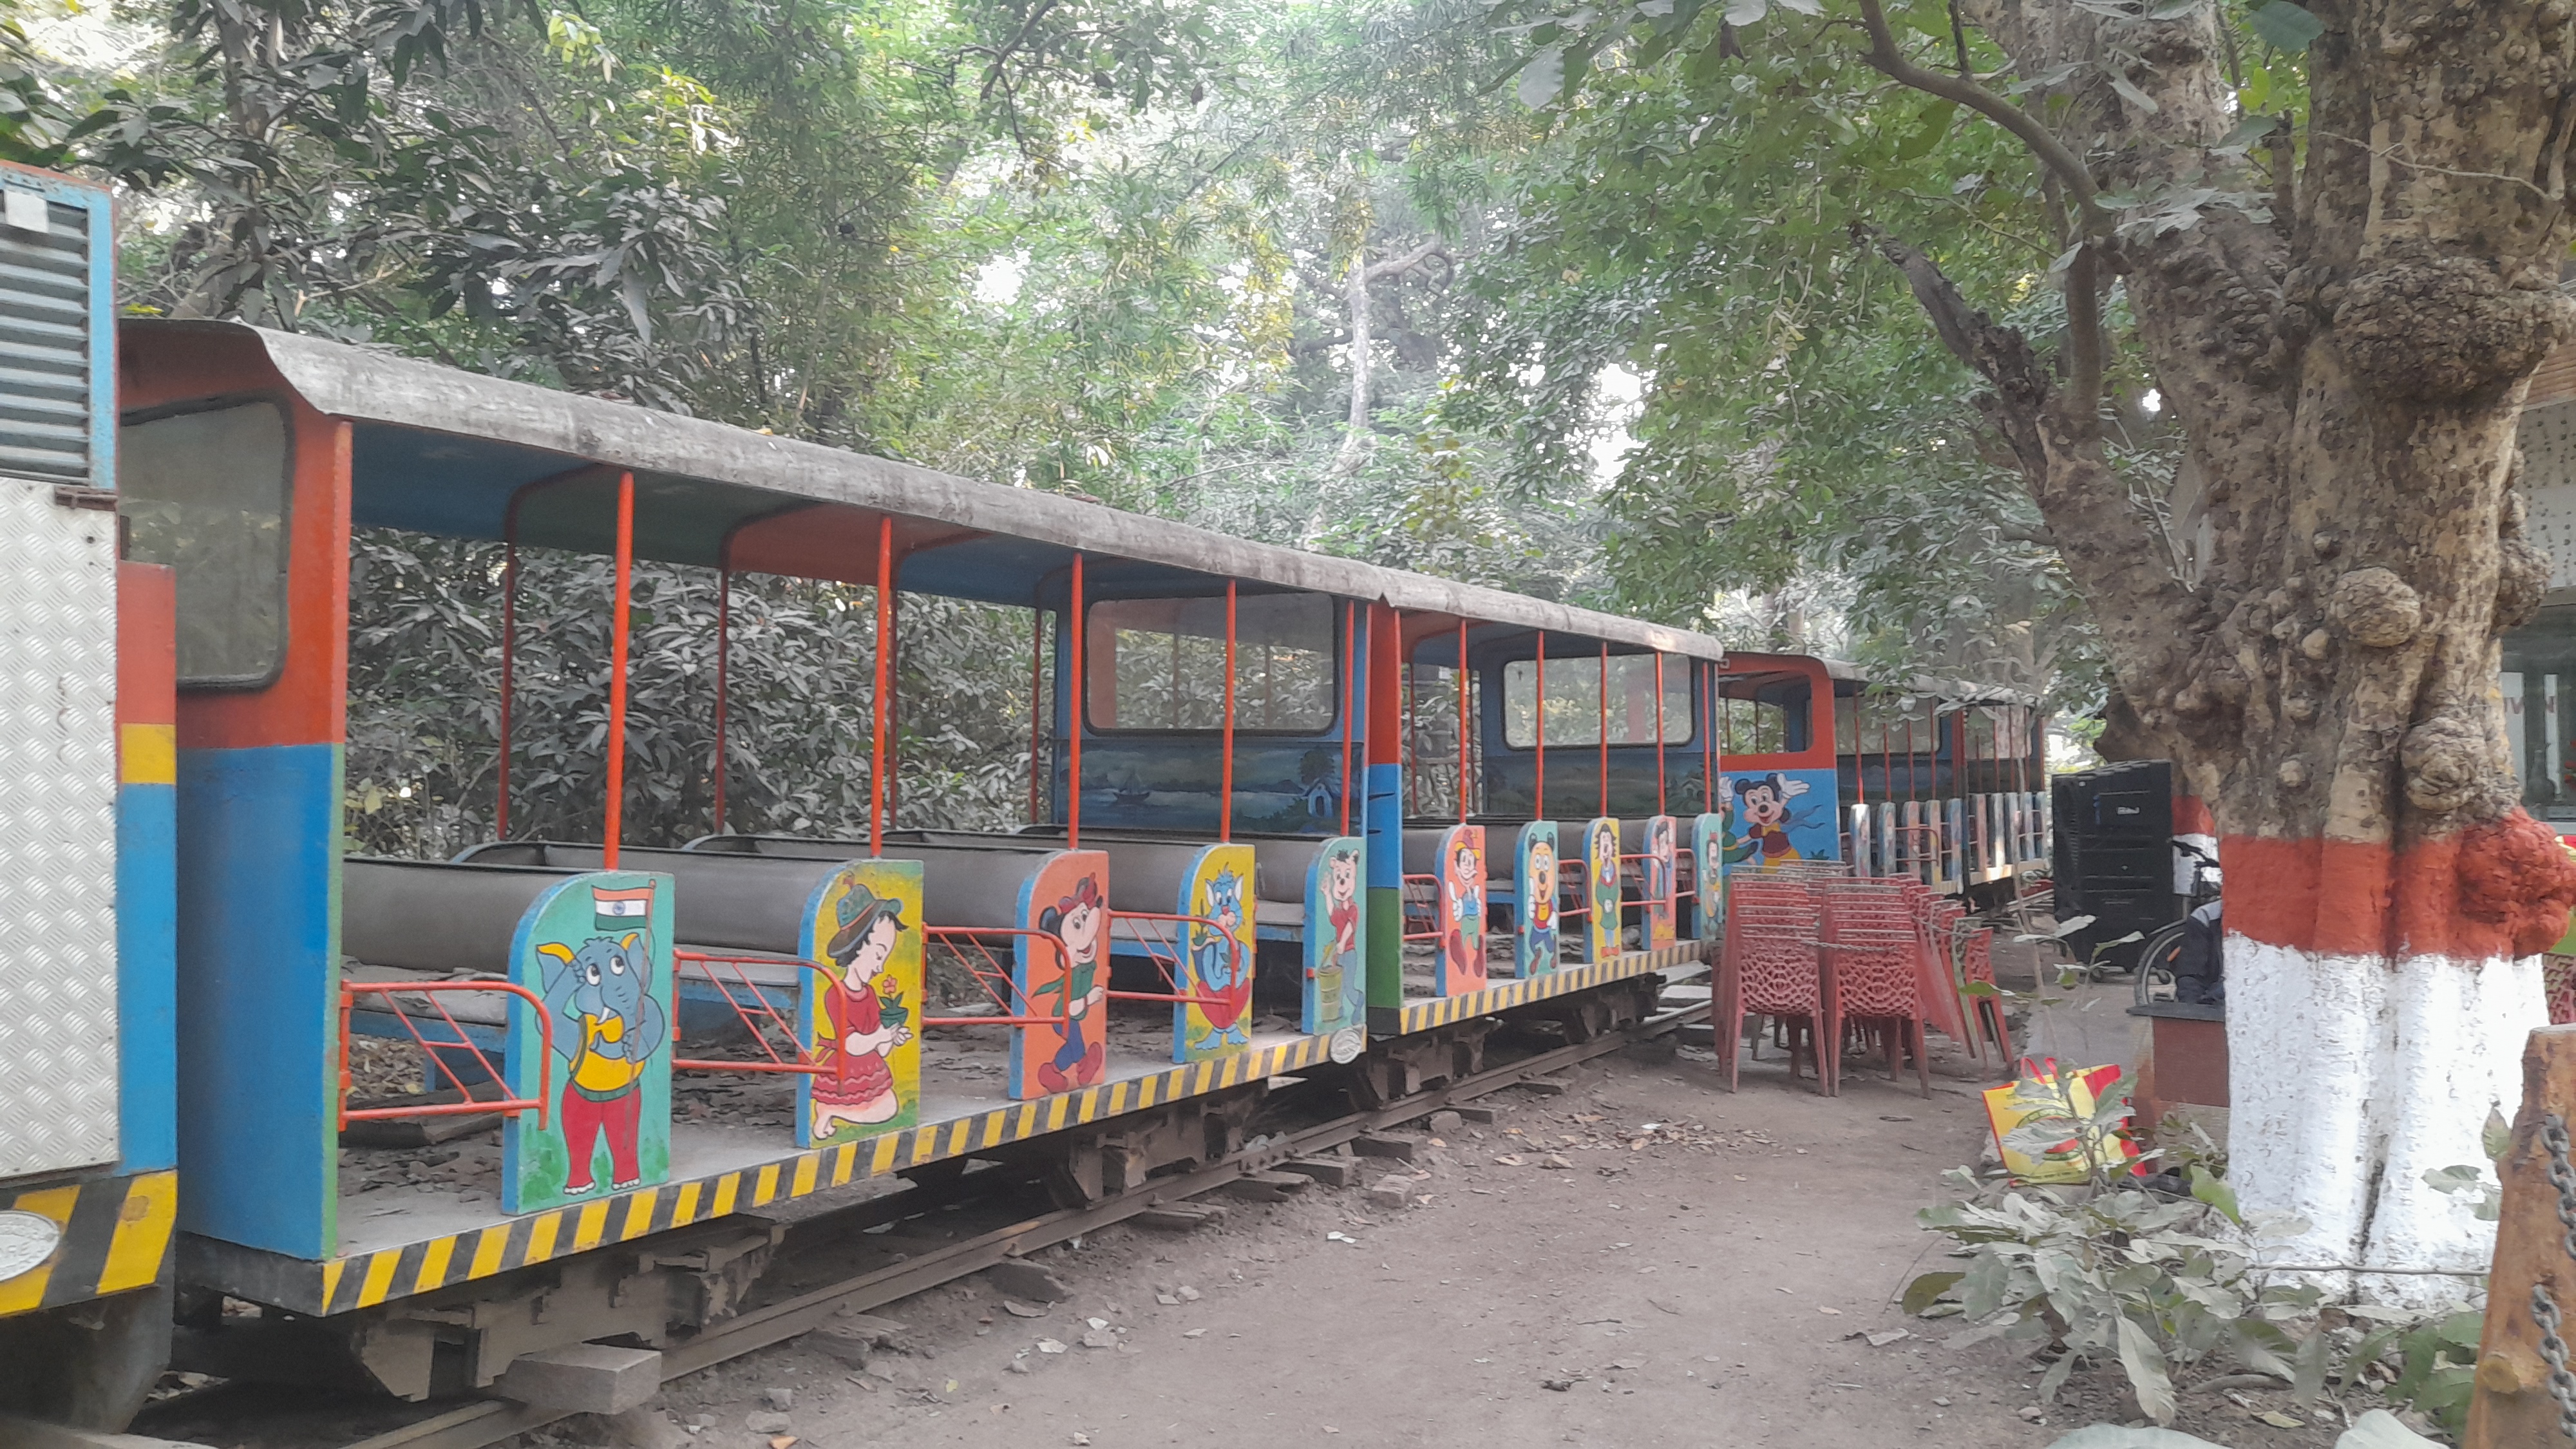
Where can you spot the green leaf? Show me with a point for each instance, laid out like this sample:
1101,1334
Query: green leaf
2145,1365
2285,26
1745,12
2210,1188
2130,93
1542,77
2496,1136
1923,1292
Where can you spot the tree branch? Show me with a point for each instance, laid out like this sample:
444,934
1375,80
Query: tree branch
1396,266
2085,344
1884,57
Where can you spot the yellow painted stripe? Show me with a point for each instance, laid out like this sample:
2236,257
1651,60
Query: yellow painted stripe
806,1167
765,1186
1055,1111
684,1208
1117,1098
380,1277
639,1213
590,1226
1146,1087
883,1161
1207,1074
925,1145
844,1162
489,1245
1087,1105
331,1272
433,1263
541,1237
1028,1120
27,1290
147,754
142,1232
993,1127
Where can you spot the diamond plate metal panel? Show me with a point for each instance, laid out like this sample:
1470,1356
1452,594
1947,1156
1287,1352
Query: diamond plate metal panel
58,1087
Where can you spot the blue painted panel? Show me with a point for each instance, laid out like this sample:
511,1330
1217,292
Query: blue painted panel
1172,782
147,1016
259,902
1777,816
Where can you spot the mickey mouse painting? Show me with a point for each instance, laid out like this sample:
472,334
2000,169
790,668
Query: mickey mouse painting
1763,818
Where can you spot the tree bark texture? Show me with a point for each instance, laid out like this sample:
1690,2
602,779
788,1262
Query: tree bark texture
2346,371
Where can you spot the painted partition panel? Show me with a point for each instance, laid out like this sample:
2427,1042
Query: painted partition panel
597,949
1218,961
1336,983
862,1021
1460,900
147,886
1068,896
1780,816
1534,946
1656,876
1708,849
1601,889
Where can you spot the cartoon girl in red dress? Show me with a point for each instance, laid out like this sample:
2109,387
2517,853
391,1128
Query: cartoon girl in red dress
1464,940
866,1015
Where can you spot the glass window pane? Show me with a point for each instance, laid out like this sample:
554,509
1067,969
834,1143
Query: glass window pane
1159,664
205,493
1574,704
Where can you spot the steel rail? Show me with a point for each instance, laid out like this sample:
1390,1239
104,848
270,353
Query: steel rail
486,1422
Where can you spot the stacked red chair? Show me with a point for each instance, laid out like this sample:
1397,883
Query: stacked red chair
1876,969
1768,966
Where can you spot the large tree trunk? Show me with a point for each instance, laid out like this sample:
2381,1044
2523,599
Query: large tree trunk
2347,373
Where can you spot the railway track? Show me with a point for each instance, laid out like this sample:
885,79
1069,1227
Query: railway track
856,1257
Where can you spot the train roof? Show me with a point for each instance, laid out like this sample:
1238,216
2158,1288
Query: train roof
439,450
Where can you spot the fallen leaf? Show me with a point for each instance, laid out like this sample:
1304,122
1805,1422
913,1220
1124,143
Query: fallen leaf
1885,1336
782,1441
1510,1159
1195,1333
2279,1420
1017,1309
1836,1312
1049,1345
1666,1307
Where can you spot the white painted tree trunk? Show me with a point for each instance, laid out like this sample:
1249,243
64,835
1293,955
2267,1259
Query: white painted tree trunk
2350,1079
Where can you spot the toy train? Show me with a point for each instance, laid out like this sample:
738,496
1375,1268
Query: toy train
1210,893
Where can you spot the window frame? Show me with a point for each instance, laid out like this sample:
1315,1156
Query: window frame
1332,714
1690,683
287,498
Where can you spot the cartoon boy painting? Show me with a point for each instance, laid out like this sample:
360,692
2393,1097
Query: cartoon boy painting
1659,858
609,1024
1463,934
1763,818
1342,917
1216,960
1541,885
868,1020
1080,920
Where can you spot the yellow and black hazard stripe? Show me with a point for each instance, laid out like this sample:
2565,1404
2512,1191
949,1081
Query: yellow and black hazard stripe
363,1280
1442,1010
115,1235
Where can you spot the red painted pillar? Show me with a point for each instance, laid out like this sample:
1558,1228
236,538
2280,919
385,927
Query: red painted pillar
617,651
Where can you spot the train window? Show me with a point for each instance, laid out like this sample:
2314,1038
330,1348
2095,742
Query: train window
206,494
1574,701
1874,724
1159,664
1754,726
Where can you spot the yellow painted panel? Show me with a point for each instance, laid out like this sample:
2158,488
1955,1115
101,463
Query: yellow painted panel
590,1227
147,754
728,1187
765,1187
639,1213
684,1208
434,1259
541,1237
142,1232
380,1277
489,1246
806,1166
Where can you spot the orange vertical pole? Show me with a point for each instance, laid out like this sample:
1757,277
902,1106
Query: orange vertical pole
617,648
1462,721
1538,811
1073,722
1225,768
1350,699
1605,729
881,708
724,621
1661,803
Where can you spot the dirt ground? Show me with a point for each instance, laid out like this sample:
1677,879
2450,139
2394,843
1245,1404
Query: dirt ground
1706,1282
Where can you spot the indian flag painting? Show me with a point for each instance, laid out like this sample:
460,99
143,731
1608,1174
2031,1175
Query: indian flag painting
621,910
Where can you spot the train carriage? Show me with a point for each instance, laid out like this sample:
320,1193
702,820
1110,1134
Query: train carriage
1237,865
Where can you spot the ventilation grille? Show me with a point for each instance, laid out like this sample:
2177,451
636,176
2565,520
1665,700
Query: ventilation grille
45,347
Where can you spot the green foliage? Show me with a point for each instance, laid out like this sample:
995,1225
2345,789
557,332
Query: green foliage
2117,1274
